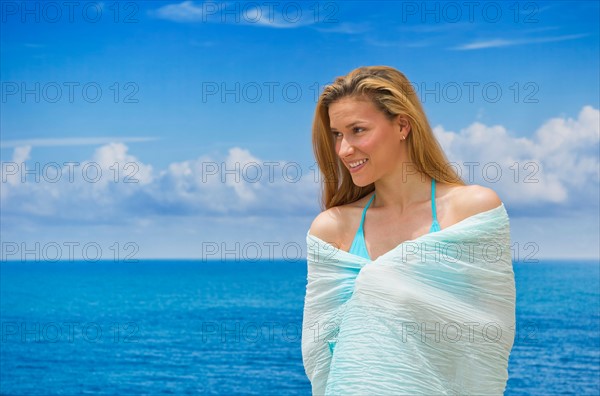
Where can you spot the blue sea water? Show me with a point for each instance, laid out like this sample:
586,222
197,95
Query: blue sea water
227,328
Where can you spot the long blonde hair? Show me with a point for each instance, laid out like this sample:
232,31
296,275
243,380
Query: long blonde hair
392,93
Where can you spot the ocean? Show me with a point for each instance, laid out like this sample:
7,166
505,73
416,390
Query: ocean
233,328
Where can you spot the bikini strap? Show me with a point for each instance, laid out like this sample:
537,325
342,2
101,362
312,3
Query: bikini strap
435,226
365,211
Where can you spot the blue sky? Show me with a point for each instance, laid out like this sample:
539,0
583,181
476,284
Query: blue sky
165,97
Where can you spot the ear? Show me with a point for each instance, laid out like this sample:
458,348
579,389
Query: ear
403,125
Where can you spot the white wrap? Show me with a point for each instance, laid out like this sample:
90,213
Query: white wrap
433,316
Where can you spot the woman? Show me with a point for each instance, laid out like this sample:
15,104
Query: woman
418,296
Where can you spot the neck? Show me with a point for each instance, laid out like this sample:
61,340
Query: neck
402,189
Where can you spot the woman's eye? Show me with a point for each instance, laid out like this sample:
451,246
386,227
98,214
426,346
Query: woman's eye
355,130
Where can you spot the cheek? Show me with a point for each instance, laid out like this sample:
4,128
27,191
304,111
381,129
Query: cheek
371,145
380,148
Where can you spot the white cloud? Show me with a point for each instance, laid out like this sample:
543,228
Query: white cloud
92,189
239,183
346,28
496,43
21,154
557,164
10,171
113,159
249,166
274,15
185,11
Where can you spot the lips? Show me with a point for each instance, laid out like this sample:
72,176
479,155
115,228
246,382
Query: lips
356,166
357,163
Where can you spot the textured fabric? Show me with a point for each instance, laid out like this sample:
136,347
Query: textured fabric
359,246
433,316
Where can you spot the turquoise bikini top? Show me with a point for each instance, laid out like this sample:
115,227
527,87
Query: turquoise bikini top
358,245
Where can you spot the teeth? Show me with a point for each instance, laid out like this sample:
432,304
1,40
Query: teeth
357,163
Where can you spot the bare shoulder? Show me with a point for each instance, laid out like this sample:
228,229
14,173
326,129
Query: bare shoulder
332,224
327,225
473,199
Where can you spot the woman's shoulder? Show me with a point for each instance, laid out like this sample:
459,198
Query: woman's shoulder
326,226
331,224
472,199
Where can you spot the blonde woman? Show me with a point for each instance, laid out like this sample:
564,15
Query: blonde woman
410,282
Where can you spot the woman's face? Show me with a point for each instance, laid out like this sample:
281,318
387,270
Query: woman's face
367,142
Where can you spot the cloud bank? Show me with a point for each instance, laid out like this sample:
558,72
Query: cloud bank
558,167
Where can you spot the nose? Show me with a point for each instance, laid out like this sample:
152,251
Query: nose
346,148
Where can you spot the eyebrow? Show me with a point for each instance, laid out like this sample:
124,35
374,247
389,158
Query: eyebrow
347,126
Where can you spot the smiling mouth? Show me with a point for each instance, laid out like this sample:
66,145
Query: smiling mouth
358,163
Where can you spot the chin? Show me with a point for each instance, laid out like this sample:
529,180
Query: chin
361,183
